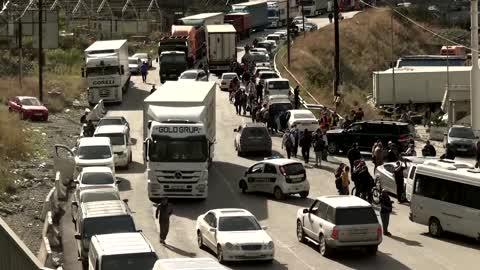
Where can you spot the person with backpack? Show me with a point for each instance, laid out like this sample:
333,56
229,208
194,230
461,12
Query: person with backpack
338,177
318,147
345,182
288,142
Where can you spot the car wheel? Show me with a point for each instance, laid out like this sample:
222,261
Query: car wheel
243,186
372,250
220,254
200,240
324,249
332,148
304,194
278,193
300,232
434,227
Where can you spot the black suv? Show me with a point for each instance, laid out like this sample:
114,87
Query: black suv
366,133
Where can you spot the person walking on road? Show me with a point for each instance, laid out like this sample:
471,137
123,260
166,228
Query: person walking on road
345,181
330,17
353,154
385,210
288,141
144,71
399,181
259,89
296,136
318,147
306,143
296,95
163,213
378,156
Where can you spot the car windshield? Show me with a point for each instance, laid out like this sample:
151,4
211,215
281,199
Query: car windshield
97,178
189,76
241,223
30,102
255,132
99,196
107,225
100,71
257,57
94,152
264,76
166,149
137,261
133,61
173,58
293,169
303,115
228,76
353,216
273,38
465,133
115,138
278,85
110,121
280,107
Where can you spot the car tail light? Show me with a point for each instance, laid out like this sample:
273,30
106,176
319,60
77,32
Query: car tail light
379,231
403,138
282,171
335,233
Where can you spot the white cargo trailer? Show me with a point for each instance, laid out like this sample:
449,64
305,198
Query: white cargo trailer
221,47
106,71
179,133
416,84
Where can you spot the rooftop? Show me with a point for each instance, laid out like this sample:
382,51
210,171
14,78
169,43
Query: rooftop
108,129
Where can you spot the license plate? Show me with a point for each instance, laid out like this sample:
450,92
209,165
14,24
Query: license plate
38,114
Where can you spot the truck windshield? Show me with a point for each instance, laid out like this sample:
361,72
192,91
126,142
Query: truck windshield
137,261
272,13
107,225
173,58
100,71
168,149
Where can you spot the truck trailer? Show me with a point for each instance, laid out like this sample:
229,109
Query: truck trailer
242,23
312,8
106,71
202,19
258,10
416,84
277,13
179,136
221,47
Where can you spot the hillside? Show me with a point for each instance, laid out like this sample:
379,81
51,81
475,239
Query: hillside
365,46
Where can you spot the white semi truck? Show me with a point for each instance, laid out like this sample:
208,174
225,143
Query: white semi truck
106,71
277,13
312,8
221,47
179,133
416,84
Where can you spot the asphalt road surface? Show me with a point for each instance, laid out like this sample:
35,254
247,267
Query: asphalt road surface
410,247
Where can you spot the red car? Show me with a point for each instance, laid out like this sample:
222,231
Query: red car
29,108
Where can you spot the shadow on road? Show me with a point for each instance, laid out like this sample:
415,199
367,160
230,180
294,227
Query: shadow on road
406,241
124,185
180,252
257,265
457,239
134,168
359,260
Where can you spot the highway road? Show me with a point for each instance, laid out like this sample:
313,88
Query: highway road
410,247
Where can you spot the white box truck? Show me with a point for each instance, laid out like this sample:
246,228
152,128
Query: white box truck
416,84
221,47
277,13
106,71
313,8
179,133
188,264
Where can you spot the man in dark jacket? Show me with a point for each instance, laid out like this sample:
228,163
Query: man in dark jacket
259,89
352,155
296,95
163,213
83,119
306,143
385,210
399,181
428,150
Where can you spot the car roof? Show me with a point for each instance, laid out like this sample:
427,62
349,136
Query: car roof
90,141
461,175
280,161
112,117
344,201
273,35
107,129
97,169
253,125
267,71
222,212
24,97
104,208
101,189
146,54
297,111
229,73
384,122
132,58
132,242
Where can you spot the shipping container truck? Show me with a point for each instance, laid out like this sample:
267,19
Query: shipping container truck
277,13
221,47
202,19
185,38
171,65
416,84
106,71
179,139
242,23
258,12
313,8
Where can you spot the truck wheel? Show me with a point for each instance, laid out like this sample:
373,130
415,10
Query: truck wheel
300,232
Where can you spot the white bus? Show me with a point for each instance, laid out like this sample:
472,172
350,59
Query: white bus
447,199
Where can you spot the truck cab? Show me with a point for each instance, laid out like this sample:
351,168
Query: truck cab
172,64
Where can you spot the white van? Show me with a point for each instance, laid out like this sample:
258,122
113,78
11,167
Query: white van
90,151
276,86
447,199
188,264
121,251
120,139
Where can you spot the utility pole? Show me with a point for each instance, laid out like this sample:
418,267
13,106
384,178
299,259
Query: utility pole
20,54
288,33
475,73
303,18
40,50
337,49
394,91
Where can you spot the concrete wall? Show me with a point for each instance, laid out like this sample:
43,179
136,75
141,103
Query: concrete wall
14,255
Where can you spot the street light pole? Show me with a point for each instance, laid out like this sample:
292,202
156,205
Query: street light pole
303,18
40,50
475,73
337,48
288,33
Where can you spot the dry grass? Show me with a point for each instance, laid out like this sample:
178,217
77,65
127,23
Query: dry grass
365,46
13,146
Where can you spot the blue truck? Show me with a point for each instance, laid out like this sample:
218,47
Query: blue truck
258,13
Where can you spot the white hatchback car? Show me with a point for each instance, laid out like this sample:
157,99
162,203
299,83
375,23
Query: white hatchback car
234,235
302,119
95,177
276,176
226,79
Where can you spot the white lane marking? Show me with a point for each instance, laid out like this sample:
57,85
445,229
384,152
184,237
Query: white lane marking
277,242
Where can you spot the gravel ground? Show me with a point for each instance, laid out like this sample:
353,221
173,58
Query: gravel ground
36,177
